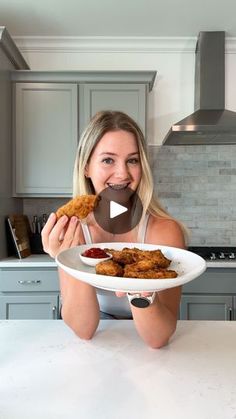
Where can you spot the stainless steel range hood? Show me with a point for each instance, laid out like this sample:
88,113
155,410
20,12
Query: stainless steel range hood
211,123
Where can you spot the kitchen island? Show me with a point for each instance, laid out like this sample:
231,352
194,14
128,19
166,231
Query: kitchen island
48,372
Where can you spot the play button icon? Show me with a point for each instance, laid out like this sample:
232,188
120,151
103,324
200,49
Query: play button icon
118,210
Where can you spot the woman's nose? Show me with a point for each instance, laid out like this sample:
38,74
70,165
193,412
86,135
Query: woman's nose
122,171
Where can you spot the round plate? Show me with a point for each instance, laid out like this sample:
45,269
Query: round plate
188,265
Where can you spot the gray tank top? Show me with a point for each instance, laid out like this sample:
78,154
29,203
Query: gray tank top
109,303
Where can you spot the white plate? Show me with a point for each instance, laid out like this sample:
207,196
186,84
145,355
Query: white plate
188,265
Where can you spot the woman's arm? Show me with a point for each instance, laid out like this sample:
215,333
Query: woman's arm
156,323
80,308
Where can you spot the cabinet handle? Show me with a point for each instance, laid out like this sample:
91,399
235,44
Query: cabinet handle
230,311
54,312
29,282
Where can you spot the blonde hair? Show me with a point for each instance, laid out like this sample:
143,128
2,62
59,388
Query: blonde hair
100,124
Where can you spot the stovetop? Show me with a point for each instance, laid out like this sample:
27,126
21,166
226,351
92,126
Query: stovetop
215,253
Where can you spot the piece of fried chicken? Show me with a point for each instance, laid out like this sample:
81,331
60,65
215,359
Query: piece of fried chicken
149,274
156,256
80,206
110,268
122,256
126,256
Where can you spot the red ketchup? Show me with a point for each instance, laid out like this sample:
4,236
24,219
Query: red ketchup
95,252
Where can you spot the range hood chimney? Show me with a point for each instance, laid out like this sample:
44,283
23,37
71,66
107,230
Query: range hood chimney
211,123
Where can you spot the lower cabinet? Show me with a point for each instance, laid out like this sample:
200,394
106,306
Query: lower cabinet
29,294
29,307
206,307
212,296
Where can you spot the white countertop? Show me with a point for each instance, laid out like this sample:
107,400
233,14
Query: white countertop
43,261
47,372
32,261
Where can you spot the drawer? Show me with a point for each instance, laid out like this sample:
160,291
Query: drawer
28,280
213,280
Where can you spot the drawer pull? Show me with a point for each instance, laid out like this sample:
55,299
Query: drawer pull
30,282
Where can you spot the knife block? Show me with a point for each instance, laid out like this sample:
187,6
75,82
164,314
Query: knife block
36,243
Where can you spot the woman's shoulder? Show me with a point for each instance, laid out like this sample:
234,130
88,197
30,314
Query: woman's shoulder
165,231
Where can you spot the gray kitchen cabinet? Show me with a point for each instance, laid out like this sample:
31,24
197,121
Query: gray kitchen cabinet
206,307
212,296
28,307
45,138
128,98
50,109
29,293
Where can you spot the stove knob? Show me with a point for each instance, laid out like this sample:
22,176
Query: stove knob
213,256
232,255
222,255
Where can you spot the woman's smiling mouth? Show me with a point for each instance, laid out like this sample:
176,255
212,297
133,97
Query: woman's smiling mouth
118,187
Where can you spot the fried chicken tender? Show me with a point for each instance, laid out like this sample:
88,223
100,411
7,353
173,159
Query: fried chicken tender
141,266
123,257
80,206
155,256
150,273
110,268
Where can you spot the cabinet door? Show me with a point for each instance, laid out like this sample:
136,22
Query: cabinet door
29,307
206,307
234,309
128,98
45,138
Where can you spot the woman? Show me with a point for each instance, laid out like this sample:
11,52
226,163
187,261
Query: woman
112,154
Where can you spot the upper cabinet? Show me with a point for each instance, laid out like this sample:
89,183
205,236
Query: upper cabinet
128,98
45,138
52,109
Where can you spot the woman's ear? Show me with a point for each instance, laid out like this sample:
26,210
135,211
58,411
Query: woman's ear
86,171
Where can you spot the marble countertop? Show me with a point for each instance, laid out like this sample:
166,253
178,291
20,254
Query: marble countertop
32,261
46,261
48,372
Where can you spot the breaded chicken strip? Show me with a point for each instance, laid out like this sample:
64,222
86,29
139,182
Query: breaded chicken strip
141,266
110,268
80,206
155,256
123,257
150,274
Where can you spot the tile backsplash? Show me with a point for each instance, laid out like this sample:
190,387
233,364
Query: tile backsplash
196,184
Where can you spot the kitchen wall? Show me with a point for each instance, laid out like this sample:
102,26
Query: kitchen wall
196,184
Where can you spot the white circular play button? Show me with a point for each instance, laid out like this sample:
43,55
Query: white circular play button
118,211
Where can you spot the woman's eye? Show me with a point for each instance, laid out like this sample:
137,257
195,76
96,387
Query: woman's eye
107,160
133,161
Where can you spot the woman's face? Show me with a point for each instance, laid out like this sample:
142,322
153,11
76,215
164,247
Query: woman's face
115,162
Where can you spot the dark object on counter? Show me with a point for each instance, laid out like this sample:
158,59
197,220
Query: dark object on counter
18,231
36,244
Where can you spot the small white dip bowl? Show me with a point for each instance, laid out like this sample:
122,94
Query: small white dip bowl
93,261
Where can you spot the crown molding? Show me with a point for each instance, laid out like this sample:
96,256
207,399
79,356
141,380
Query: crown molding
101,44
10,50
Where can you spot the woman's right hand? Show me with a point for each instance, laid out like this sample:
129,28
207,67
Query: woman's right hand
60,235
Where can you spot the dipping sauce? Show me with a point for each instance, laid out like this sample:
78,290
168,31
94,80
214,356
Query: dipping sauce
95,252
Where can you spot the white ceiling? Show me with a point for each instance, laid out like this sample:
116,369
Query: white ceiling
117,17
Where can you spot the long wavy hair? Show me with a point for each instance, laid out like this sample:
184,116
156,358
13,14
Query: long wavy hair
101,123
